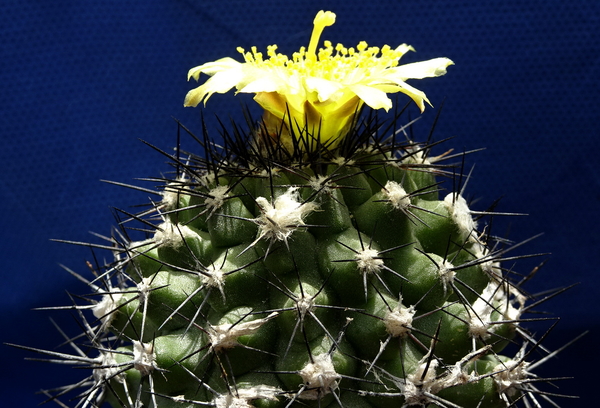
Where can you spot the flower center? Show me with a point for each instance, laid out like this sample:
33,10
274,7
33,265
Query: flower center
332,63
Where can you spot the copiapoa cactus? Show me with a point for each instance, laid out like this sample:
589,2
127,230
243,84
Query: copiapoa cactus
318,259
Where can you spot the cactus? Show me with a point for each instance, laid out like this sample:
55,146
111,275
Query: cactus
316,259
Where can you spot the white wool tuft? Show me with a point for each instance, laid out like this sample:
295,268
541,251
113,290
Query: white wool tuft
278,220
397,195
319,377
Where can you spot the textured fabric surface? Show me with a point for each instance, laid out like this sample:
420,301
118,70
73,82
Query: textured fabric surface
83,80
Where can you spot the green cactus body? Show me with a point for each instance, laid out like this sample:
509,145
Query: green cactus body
309,282
310,266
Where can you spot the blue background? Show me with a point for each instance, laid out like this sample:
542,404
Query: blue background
83,80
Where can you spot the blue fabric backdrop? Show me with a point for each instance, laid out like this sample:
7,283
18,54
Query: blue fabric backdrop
83,80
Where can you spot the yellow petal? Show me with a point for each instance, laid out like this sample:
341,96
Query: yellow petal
272,102
342,110
404,48
424,69
222,82
374,97
416,95
261,84
323,87
211,68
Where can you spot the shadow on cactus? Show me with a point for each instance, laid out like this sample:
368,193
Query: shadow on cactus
322,258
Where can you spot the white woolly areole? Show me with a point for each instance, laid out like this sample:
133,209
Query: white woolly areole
172,235
489,266
446,274
482,308
106,308
144,359
320,183
419,386
224,336
343,161
284,216
397,195
243,396
214,277
456,373
494,298
368,262
305,305
216,198
461,214
509,376
415,155
319,377
172,192
398,322
144,288
430,374
109,369
420,382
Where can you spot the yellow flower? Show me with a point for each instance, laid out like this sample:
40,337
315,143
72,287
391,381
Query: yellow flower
317,92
